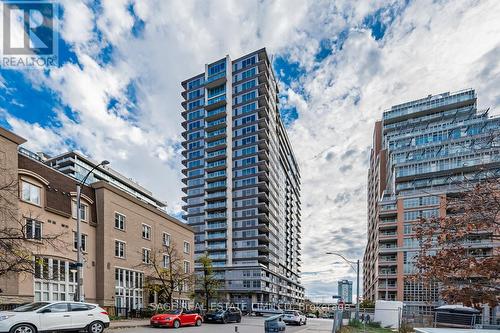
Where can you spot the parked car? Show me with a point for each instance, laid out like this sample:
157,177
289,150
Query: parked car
311,315
224,316
176,319
294,317
54,316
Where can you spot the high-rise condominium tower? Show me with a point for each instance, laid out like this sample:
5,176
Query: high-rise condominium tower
423,151
242,182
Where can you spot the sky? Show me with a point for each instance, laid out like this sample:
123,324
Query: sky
116,93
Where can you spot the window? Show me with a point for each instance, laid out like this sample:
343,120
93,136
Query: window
129,288
31,193
146,231
146,255
83,210
75,307
120,221
119,249
166,261
60,307
166,239
84,241
186,267
33,229
186,247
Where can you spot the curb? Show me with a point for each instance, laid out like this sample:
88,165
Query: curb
117,327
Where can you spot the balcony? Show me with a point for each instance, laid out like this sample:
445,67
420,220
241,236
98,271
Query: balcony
215,102
214,135
215,195
216,226
216,185
216,235
217,204
215,216
216,113
387,235
221,174
215,80
215,145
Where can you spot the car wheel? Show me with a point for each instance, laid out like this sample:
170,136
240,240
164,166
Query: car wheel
177,324
95,327
198,322
224,320
23,328
238,320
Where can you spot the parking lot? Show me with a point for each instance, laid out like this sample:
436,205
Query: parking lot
247,325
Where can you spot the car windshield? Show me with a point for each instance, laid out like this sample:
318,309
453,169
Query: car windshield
31,307
174,312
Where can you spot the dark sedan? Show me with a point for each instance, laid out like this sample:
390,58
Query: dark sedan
224,316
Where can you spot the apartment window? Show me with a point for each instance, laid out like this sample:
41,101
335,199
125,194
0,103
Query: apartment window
146,231
120,221
84,208
166,261
166,239
31,193
146,256
84,242
187,247
33,229
186,267
119,249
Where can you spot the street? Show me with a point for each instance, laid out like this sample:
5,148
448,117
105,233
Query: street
248,325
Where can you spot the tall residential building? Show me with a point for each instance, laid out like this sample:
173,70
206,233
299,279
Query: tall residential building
121,233
423,152
345,290
242,182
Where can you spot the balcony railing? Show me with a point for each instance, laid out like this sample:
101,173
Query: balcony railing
216,99
215,77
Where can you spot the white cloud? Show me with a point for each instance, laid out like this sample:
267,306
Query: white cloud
430,47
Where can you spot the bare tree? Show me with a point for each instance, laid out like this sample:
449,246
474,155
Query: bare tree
207,284
449,254
17,254
167,275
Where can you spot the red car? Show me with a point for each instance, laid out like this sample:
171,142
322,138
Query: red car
176,319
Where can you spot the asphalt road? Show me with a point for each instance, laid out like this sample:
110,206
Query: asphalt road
247,325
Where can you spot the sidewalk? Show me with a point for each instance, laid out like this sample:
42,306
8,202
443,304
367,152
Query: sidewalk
128,323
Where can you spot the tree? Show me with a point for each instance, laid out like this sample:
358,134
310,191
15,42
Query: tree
17,255
367,304
206,281
448,256
166,274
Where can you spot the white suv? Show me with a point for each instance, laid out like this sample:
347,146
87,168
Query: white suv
294,317
54,316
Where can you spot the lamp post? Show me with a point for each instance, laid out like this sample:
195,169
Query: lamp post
356,269
79,255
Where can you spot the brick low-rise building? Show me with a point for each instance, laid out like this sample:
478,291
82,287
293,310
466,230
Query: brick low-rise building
120,232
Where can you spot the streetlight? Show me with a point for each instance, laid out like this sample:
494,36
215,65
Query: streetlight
356,269
79,255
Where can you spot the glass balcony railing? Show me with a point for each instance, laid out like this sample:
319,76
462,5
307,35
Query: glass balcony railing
216,143
216,174
216,111
216,235
215,77
216,184
216,195
216,164
216,100
216,215
215,133
216,153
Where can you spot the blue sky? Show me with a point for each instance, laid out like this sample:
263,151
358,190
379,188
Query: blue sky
116,93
